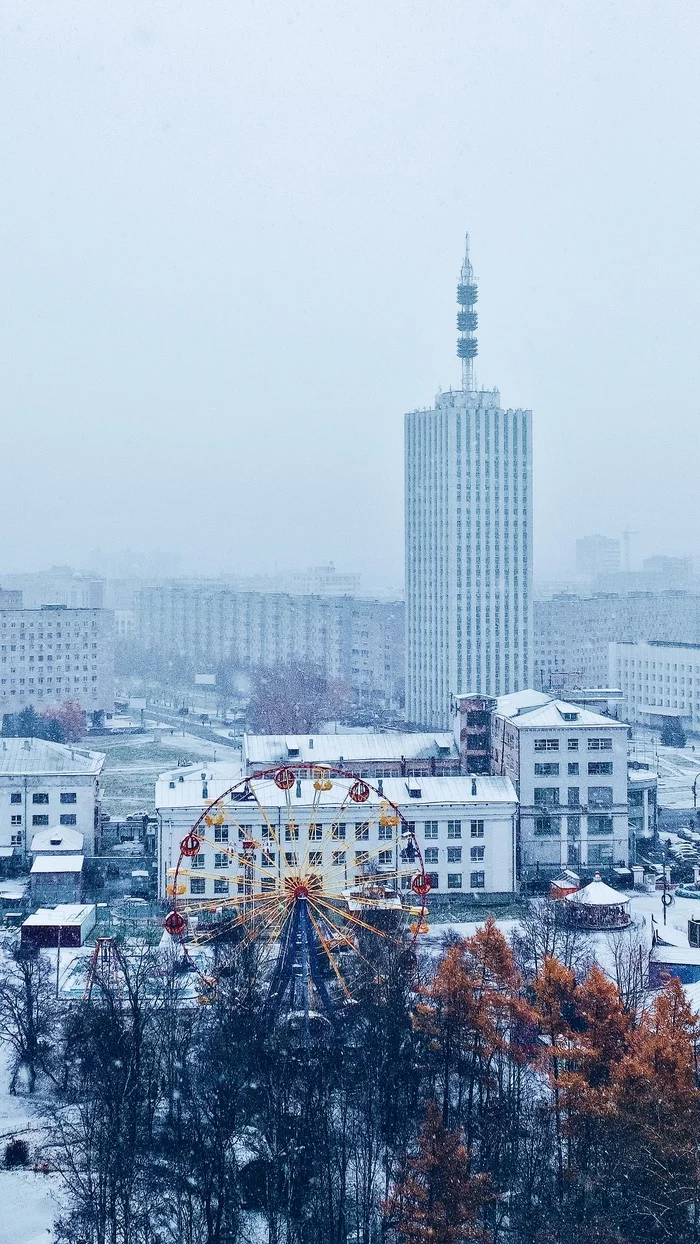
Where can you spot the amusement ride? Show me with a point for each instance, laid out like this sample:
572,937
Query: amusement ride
282,859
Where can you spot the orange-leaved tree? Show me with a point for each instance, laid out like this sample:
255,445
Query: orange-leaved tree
436,1199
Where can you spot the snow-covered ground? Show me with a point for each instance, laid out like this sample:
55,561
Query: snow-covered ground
29,1202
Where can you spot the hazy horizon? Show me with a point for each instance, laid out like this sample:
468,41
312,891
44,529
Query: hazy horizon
231,246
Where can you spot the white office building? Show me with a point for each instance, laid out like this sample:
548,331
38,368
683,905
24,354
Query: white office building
569,767
47,787
658,680
468,529
464,826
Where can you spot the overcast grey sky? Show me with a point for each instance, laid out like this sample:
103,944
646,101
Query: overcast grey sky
230,239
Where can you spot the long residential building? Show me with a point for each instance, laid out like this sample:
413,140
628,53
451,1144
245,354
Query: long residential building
464,827
468,540
572,633
54,653
365,755
355,639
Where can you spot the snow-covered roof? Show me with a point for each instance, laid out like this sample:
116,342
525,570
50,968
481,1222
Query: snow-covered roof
62,913
58,864
427,791
675,954
543,711
57,840
597,894
272,749
26,756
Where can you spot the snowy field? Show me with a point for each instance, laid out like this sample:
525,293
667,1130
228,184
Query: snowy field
135,761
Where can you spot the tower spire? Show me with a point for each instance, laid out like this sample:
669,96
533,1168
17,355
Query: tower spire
467,319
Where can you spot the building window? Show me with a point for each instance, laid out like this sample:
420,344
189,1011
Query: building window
69,796
267,859
573,826
221,860
220,885
361,857
547,796
572,745
477,881
431,829
477,829
290,859
40,797
600,853
547,770
454,855
68,818
338,832
600,745
338,858
454,829
197,860
16,796
315,833
600,767
600,796
477,853
386,833
291,833
316,859
40,820
547,826
454,881
362,831
221,833
385,857
572,768
600,825
574,796
546,745
197,885
16,820
430,855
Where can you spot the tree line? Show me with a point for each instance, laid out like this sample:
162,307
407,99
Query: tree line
506,1092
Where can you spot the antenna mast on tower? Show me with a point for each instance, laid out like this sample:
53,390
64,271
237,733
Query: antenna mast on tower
467,319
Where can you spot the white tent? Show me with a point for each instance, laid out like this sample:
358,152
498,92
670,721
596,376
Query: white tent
598,894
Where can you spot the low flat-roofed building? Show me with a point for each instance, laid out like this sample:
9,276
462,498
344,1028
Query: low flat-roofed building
67,924
464,828
366,755
46,785
57,878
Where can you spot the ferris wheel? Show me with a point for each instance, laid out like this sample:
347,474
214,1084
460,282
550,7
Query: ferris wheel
308,862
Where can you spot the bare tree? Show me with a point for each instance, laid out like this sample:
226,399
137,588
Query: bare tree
629,953
543,934
28,1013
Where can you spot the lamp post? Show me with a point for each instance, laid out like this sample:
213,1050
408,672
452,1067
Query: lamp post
695,792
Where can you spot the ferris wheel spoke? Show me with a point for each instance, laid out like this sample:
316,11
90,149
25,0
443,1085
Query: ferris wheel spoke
327,952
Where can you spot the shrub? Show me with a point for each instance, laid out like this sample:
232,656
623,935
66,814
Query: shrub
16,1153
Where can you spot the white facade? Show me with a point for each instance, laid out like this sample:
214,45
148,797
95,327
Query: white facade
657,678
52,654
47,786
465,827
468,531
569,767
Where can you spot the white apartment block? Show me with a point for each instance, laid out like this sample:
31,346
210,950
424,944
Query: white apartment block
357,640
52,654
47,785
465,828
569,768
658,680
